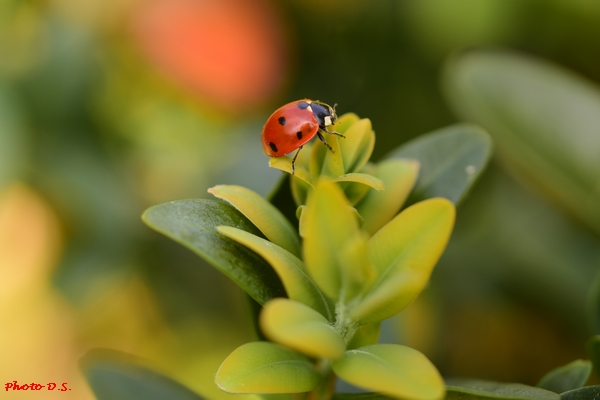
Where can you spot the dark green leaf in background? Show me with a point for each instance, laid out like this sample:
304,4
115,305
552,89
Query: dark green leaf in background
568,377
451,159
192,223
593,349
584,393
111,378
593,306
543,118
281,197
471,389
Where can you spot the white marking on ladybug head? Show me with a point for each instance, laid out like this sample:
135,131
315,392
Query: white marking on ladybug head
327,120
309,108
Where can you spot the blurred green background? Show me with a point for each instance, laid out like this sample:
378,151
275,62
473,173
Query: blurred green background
108,107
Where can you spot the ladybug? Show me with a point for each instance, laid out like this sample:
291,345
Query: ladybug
293,125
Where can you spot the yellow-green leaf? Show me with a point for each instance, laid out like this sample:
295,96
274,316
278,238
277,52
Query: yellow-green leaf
291,270
328,223
301,226
365,335
285,164
394,370
365,179
404,252
344,122
357,272
302,184
357,147
300,190
264,215
378,208
333,165
264,367
354,191
325,162
301,328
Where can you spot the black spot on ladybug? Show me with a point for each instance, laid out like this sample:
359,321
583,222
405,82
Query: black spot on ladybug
281,120
272,145
303,105
299,134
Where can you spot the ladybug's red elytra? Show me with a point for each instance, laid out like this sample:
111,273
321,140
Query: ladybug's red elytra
291,126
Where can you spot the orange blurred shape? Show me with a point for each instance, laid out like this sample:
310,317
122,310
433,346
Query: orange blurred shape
228,51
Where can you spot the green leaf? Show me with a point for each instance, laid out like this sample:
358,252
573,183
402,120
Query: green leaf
277,396
344,122
360,396
471,389
291,270
584,393
324,161
366,179
264,367
593,305
301,185
451,159
111,378
300,190
543,118
301,328
329,223
365,335
333,164
568,377
193,224
285,164
593,349
394,370
358,146
265,216
355,191
378,208
281,197
404,253
357,272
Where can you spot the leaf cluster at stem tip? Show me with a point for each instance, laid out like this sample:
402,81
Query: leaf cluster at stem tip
347,259
353,262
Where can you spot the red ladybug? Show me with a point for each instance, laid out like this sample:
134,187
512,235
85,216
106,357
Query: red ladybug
293,125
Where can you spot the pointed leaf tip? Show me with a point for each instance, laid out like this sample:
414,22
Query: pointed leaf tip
265,216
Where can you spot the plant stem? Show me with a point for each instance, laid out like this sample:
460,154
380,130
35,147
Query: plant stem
344,325
326,390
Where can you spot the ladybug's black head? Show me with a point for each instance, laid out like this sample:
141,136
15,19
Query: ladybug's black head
325,114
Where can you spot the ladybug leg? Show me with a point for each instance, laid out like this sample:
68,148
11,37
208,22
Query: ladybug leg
335,133
324,141
294,160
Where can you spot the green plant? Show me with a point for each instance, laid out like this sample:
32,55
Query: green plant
329,257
